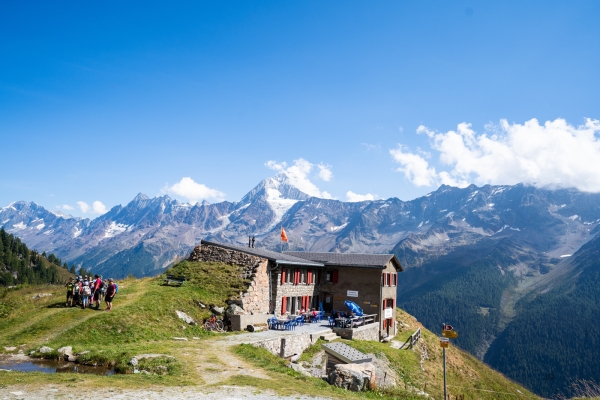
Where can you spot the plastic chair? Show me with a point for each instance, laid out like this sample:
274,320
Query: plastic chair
290,325
300,320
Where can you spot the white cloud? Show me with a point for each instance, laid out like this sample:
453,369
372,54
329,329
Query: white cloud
371,147
65,207
96,208
353,197
555,154
83,206
299,173
415,168
325,172
193,191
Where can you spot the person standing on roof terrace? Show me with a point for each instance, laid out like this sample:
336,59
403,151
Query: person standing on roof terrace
111,291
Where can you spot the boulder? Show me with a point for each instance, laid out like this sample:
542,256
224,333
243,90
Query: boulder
217,310
10,348
45,350
354,377
383,377
300,368
65,350
179,338
186,318
234,309
134,362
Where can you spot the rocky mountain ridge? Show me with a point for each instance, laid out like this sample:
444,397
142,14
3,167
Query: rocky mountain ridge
158,230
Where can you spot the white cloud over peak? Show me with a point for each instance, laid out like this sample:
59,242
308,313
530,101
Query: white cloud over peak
193,191
553,154
65,207
96,208
354,197
299,175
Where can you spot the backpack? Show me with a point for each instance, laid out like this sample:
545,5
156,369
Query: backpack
76,288
87,291
116,288
103,287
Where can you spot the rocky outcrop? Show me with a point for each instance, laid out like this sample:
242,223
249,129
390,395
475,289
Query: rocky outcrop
354,377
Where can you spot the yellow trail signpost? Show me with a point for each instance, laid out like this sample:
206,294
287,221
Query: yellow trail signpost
448,333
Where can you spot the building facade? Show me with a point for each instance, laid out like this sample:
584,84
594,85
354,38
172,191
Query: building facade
286,283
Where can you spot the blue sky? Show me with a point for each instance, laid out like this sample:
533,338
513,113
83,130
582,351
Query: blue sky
100,101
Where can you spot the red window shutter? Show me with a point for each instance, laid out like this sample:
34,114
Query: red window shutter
335,276
392,300
395,276
309,277
283,305
283,275
384,323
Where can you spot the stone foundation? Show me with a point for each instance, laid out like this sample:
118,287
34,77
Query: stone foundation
367,332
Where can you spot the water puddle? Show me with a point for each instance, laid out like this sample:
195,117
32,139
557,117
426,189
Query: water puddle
53,366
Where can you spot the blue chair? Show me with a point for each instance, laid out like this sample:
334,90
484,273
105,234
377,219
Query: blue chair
300,320
290,325
331,321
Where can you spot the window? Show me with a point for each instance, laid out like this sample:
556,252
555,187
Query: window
388,279
388,303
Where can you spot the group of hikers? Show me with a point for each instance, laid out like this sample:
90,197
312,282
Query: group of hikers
84,291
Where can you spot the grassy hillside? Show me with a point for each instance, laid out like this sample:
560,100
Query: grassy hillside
143,321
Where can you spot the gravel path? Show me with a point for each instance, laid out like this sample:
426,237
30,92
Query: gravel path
174,393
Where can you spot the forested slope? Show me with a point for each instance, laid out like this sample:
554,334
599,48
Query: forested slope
554,340
19,264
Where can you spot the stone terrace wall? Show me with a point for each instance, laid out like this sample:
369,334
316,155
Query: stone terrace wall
294,344
366,332
256,297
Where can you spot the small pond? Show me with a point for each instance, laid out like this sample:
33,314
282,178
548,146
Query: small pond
53,366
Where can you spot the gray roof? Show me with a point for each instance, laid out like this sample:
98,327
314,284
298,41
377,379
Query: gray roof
348,259
280,258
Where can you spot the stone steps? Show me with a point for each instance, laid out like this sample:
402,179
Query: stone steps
328,337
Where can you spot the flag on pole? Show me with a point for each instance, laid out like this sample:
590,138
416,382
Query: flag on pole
283,235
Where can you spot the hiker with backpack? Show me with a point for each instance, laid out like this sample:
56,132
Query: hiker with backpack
76,293
86,292
69,287
98,291
111,291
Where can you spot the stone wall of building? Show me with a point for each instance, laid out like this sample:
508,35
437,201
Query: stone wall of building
289,290
255,299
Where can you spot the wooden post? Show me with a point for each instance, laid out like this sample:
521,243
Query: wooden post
282,349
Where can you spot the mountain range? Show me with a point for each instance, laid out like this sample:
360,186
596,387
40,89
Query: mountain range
475,257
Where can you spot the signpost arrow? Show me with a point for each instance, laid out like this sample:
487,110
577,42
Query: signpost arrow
450,334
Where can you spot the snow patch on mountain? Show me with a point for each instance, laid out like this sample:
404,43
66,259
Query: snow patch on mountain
114,229
278,204
20,226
